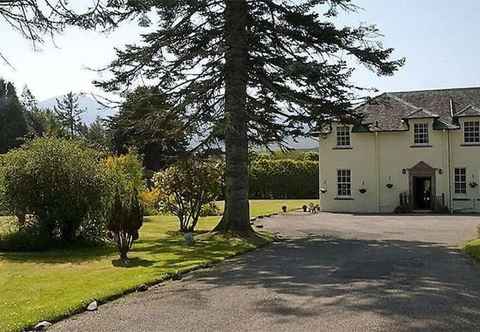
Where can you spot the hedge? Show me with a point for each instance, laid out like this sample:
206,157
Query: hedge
284,178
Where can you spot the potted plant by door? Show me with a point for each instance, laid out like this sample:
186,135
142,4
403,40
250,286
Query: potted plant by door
362,189
472,183
389,184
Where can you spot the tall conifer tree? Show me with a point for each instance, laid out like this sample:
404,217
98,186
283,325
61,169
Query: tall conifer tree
68,113
248,71
13,127
244,71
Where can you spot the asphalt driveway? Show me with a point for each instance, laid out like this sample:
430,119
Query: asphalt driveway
331,272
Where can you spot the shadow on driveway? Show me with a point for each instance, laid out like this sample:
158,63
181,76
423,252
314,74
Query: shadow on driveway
420,285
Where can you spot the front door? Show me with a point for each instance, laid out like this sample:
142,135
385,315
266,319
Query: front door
422,192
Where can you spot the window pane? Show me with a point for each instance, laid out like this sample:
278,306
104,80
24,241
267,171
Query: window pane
460,181
420,133
471,132
344,184
343,136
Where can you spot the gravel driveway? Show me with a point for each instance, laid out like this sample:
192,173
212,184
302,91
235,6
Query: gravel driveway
332,272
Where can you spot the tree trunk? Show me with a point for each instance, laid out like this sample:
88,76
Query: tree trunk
236,215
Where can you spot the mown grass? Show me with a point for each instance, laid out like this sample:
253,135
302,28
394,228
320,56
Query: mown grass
51,285
472,248
264,207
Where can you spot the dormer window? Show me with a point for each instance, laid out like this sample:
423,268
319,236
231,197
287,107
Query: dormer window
343,136
471,132
420,133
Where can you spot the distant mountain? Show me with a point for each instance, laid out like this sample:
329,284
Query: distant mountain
93,109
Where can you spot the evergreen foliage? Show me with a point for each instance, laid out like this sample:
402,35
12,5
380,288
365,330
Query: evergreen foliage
283,178
146,124
40,122
68,113
97,136
125,217
125,222
241,71
13,126
248,72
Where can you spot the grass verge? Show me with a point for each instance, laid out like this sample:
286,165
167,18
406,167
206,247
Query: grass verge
55,284
472,248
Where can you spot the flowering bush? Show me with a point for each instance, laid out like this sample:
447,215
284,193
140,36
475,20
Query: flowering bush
187,186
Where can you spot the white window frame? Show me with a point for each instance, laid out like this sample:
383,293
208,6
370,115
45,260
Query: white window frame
344,183
344,138
471,132
421,134
460,180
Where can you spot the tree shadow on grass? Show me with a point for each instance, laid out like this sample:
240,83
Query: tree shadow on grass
132,263
76,254
416,284
170,251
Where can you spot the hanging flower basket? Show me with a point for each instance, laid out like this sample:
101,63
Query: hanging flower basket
389,185
362,191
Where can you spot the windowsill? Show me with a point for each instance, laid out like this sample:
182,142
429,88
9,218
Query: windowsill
470,144
421,146
345,198
349,147
458,199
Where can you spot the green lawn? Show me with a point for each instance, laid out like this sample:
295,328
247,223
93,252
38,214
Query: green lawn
50,285
263,207
473,249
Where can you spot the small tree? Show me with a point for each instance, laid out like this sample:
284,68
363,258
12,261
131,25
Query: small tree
125,181
125,222
186,187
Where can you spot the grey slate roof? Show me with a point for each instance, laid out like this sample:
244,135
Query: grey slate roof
389,111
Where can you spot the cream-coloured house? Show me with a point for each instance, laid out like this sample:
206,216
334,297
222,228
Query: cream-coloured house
419,150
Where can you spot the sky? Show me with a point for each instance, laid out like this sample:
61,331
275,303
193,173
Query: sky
438,38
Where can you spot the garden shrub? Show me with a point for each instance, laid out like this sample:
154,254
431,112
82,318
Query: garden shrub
311,156
125,212
124,174
125,222
150,200
209,210
58,183
28,238
283,178
186,186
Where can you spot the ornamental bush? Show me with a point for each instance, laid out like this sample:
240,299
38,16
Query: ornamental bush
124,176
124,223
283,178
150,199
186,186
56,185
